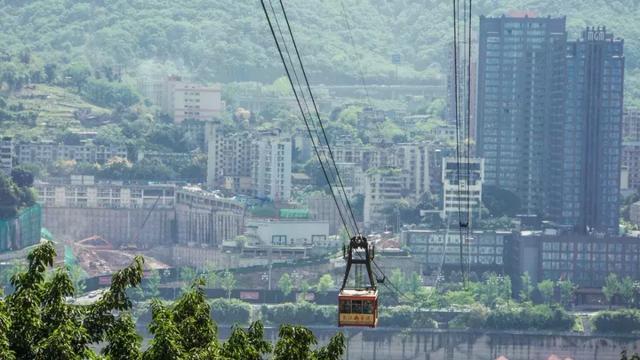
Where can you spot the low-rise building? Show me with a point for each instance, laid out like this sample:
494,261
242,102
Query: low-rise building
183,100
7,155
141,215
462,186
586,260
85,192
439,250
631,162
383,187
206,218
300,237
48,152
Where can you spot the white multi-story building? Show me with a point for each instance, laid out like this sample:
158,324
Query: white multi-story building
462,188
413,158
183,100
122,214
206,218
271,168
84,192
382,187
6,155
48,152
192,101
229,160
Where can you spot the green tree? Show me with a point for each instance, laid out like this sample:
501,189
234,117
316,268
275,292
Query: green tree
246,344
500,202
495,290
123,343
626,290
211,275
228,282
187,275
77,275
526,287
566,288
304,288
325,284
38,323
285,284
297,342
611,288
152,285
545,288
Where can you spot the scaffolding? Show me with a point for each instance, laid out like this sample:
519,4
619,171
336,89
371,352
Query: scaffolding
22,230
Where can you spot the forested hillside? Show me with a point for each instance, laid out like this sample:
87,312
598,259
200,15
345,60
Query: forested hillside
228,40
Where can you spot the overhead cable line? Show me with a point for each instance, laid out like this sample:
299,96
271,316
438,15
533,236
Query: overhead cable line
317,113
315,147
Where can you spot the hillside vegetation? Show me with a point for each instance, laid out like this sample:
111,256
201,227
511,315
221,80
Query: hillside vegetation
228,40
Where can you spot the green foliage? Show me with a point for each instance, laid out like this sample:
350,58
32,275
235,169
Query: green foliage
37,322
624,321
526,287
109,94
495,290
546,288
295,343
301,313
231,311
325,284
191,314
526,316
123,343
611,287
246,344
228,282
566,288
13,197
500,202
285,284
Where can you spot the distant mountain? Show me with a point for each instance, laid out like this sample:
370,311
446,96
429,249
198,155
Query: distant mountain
228,40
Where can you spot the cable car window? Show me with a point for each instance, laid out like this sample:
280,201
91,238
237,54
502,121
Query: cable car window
345,306
367,307
356,306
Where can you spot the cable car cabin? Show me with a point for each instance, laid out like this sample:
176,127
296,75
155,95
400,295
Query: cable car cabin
358,308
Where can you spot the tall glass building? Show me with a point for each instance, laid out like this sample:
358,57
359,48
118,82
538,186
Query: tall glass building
549,118
593,132
521,83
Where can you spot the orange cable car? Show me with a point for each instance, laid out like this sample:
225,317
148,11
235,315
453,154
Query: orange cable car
358,306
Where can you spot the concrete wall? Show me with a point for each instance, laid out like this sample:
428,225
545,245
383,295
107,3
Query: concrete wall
119,226
392,344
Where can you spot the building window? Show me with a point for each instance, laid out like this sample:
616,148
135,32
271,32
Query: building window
279,240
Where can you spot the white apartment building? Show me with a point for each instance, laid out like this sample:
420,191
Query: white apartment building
183,100
206,218
413,158
352,177
382,187
84,192
6,155
271,168
229,160
461,190
48,152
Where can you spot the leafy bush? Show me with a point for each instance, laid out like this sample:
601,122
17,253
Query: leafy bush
231,311
476,318
618,321
302,313
526,316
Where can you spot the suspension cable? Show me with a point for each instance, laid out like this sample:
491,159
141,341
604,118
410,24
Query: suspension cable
302,94
315,148
317,113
